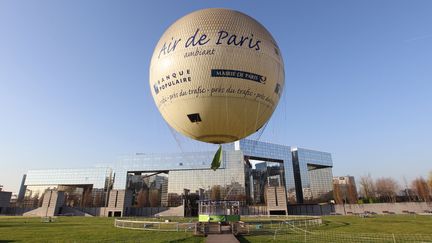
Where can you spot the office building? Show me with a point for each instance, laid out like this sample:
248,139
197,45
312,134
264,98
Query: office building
312,173
255,173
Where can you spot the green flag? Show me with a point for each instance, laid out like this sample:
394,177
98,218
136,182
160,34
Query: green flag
217,159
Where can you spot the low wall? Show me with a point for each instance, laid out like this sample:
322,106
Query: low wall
380,208
130,211
14,211
144,212
99,211
311,209
299,209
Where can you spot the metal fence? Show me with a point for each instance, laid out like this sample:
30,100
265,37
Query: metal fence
345,237
288,232
272,225
292,230
154,225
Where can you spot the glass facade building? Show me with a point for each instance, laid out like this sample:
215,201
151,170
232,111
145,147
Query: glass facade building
83,187
272,154
247,170
313,175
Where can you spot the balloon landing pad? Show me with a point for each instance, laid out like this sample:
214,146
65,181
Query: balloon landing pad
218,218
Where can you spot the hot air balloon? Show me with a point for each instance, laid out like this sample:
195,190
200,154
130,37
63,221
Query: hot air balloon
216,75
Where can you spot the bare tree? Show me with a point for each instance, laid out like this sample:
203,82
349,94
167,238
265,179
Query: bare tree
174,200
99,200
142,198
386,188
87,198
421,188
338,194
215,192
430,180
154,198
35,202
407,190
345,192
352,195
367,187
40,201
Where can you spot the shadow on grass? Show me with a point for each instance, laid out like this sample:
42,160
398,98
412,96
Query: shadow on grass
335,224
187,239
242,239
4,241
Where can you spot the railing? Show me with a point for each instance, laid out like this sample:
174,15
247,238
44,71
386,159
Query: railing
329,236
154,225
299,229
272,225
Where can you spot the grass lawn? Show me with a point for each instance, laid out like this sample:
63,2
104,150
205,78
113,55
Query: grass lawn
81,229
383,228
334,229
390,224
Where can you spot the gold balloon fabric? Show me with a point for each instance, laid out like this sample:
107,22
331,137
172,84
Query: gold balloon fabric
216,75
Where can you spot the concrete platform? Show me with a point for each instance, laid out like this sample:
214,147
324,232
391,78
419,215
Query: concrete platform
219,238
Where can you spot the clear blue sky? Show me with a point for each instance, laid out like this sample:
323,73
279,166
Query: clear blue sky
74,82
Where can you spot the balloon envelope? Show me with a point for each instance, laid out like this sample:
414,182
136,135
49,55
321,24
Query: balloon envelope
216,75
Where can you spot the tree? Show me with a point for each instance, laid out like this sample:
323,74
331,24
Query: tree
154,198
99,200
367,187
352,195
338,194
408,191
345,192
215,192
40,201
386,188
35,201
421,188
142,198
87,198
430,180
174,200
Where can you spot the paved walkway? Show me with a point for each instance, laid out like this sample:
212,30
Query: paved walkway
221,238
